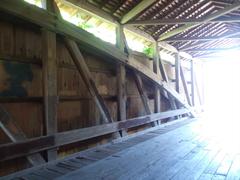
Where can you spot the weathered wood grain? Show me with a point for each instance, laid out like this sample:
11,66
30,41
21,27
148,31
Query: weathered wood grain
177,71
122,96
184,82
87,78
49,61
78,135
15,134
36,16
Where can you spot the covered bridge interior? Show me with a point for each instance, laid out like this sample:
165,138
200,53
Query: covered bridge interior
113,89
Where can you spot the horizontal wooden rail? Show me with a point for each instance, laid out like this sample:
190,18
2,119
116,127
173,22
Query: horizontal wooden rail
22,148
87,41
34,145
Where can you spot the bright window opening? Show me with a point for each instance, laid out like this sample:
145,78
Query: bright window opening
138,43
35,2
98,27
222,99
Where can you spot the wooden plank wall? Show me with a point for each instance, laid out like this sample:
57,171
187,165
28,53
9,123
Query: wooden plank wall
21,90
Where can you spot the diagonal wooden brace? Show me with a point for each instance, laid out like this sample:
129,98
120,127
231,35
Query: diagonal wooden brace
143,94
82,68
15,134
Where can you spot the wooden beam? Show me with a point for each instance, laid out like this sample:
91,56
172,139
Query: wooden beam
197,90
15,134
154,22
177,72
162,69
225,37
213,50
25,147
157,100
192,84
156,59
82,68
184,82
121,78
165,78
157,93
122,95
208,18
229,36
48,20
51,6
121,41
99,13
167,47
93,10
41,18
142,92
78,135
136,10
49,62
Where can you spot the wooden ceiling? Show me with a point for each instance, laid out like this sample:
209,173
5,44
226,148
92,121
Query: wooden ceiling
198,27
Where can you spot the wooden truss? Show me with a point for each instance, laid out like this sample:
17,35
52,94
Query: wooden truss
183,21
74,37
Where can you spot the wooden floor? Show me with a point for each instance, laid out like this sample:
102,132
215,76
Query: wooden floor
178,151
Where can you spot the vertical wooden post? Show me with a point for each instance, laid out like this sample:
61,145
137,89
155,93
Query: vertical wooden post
192,83
156,59
177,72
202,91
197,90
157,101
122,96
50,85
51,6
157,94
185,86
120,42
121,79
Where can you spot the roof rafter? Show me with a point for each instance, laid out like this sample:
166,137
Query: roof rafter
183,21
207,42
195,9
204,32
210,17
136,10
204,38
214,49
84,4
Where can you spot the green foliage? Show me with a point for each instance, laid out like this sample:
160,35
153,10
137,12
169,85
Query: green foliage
82,24
148,51
85,26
